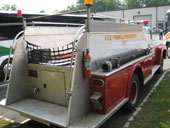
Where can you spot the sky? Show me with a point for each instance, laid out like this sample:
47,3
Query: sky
35,6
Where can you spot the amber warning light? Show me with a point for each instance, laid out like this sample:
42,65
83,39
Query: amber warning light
88,2
19,13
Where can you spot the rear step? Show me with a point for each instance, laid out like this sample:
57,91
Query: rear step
93,120
40,110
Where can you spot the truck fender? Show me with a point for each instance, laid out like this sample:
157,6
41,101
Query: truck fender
161,54
135,68
166,38
3,58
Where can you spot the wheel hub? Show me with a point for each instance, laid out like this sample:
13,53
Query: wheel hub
169,52
134,92
7,69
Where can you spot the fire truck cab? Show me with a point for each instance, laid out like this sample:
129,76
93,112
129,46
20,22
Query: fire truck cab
48,82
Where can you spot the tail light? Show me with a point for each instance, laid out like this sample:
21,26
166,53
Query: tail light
97,83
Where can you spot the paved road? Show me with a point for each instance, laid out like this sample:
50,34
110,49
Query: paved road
166,64
6,112
117,120
3,89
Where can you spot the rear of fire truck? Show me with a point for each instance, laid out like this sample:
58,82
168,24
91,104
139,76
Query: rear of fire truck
76,75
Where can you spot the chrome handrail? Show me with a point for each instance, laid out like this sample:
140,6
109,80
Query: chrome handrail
10,52
54,23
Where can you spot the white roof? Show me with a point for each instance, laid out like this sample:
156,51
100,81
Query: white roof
168,11
15,12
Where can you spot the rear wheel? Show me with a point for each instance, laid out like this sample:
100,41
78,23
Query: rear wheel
168,50
133,93
3,69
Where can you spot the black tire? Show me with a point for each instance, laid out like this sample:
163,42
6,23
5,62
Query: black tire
133,93
2,73
160,70
168,49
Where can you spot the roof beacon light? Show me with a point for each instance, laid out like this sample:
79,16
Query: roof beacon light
88,2
19,13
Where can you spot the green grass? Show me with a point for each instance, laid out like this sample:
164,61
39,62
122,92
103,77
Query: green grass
8,124
156,112
4,123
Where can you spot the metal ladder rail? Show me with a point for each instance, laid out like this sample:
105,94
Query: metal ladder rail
10,52
77,36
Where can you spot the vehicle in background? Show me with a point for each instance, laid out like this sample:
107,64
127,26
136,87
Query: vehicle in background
10,25
167,20
166,39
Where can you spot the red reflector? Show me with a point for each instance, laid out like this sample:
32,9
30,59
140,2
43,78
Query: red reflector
19,13
98,83
145,22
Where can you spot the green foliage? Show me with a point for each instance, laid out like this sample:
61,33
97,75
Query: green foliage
159,2
4,123
165,125
105,5
156,109
42,11
7,7
98,5
144,3
109,5
133,4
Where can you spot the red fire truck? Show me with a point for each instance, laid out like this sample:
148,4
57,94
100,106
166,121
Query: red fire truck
78,75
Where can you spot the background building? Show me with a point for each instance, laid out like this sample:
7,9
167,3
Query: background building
155,15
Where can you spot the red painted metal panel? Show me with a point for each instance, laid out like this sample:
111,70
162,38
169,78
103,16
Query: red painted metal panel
116,86
113,91
159,54
148,68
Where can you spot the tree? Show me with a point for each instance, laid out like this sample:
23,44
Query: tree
7,7
80,5
98,5
133,4
158,2
109,5
13,7
144,3
42,11
112,5
56,11
147,3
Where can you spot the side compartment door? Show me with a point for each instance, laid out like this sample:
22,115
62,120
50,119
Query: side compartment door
53,87
114,89
147,68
